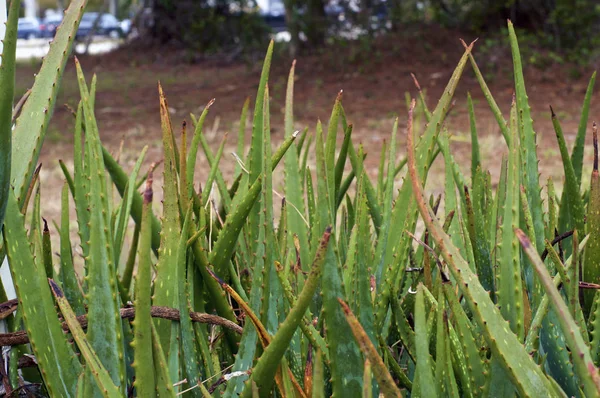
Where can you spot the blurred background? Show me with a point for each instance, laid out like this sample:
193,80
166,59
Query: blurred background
243,26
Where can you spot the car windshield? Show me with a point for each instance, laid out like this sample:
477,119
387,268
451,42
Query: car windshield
53,19
26,24
108,18
89,17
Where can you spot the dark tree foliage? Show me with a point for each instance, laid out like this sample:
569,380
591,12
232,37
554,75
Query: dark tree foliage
237,25
207,25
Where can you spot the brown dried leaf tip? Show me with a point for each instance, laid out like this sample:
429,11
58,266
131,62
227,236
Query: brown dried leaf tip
148,193
595,132
345,307
55,289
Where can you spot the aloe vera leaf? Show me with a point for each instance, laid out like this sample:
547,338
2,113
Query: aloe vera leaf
594,328
450,202
481,248
368,379
475,153
405,212
341,160
573,292
387,205
510,294
358,275
476,367
301,141
357,166
271,289
526,212
164,386
125,208
81,181
578,147
451,378
105,332
330,144
70,283
145,382
7,82
264,371
166,291
591,265
406,332
125,281
120,179
427,382
573,197
264,336
384,379
256,156
31,125
67,174
37,309
552,218
294,194
306,326
503,342
188,345
533,335
395,369
218,176
346,366
440,347
242,134
490,99
214,170
586,370
47,250
224,246
92,360
247,349
529,148
381,171
193,152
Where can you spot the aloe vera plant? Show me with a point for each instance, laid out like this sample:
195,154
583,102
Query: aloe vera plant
342,294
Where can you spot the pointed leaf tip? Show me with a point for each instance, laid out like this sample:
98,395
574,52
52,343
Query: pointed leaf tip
525,242
415,77
595,132
345,307
55,289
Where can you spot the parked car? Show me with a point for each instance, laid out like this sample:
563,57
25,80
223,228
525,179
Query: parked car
50,24
28,28
126,26
107,25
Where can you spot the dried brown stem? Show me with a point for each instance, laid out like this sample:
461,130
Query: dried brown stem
20,337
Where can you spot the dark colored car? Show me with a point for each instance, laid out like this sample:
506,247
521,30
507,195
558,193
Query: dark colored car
106,25
28,28
50,24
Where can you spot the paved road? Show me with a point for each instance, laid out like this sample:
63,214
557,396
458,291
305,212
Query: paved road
38,48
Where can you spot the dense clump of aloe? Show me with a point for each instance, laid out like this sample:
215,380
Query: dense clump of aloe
340,294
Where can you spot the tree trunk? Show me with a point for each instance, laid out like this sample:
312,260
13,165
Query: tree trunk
291,20
113,7
316,24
